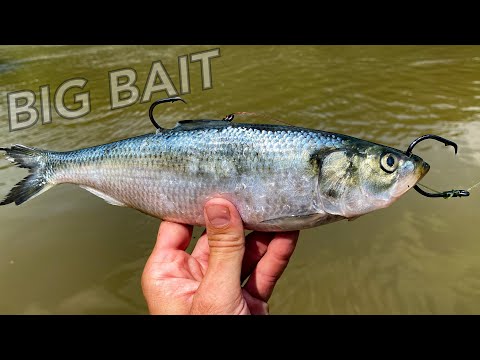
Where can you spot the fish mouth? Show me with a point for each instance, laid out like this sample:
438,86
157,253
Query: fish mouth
418,169
422,170
421,167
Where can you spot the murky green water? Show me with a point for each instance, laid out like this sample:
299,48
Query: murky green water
68,251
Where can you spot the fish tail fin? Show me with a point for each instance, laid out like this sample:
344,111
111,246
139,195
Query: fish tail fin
36,182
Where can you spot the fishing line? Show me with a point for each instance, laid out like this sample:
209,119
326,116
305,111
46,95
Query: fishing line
429,188
478,183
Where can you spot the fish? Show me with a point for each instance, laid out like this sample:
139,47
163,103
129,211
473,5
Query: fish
279,177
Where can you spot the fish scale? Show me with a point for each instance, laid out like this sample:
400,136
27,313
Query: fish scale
271,173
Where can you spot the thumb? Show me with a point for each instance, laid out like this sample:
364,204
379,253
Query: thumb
220,291
226,241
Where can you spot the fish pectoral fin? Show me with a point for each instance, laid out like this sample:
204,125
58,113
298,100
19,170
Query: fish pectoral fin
294,218
303,221
104,196
289,217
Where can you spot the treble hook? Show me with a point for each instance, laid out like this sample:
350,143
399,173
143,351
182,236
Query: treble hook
161,101
445,194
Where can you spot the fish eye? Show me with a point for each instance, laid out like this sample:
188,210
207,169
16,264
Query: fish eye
389,163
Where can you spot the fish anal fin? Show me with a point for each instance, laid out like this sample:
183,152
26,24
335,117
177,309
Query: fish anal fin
353,218
107,198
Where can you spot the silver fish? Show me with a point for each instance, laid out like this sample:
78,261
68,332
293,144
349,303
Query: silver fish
279,177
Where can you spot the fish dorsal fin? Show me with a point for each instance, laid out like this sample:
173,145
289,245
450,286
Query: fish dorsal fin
104,196
202,123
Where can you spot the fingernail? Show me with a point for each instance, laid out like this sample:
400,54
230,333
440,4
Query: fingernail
218,215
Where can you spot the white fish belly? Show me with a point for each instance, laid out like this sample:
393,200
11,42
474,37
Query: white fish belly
178,196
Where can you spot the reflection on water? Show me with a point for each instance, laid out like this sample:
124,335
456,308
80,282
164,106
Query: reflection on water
69,252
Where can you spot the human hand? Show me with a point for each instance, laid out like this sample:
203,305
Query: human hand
209,281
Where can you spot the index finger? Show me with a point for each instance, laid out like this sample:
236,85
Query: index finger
173,236
271,266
